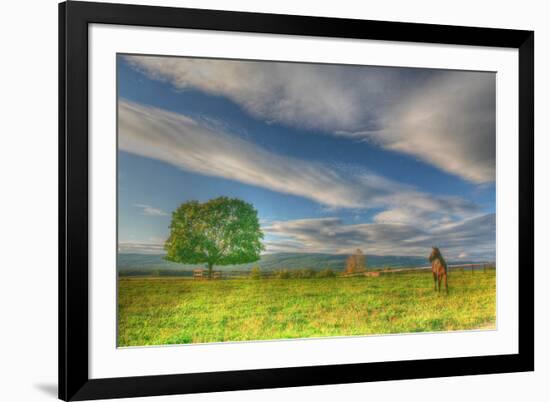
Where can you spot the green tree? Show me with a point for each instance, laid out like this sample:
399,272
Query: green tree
221,231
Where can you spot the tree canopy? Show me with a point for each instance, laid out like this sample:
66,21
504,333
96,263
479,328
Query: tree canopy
221,231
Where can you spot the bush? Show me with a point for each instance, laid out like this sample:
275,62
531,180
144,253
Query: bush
282,274
303,273
326,273
256,273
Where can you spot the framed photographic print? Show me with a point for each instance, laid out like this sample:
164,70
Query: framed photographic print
258,201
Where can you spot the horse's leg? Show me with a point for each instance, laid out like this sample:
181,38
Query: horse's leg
438,282
435,280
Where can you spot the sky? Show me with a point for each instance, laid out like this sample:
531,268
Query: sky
391,160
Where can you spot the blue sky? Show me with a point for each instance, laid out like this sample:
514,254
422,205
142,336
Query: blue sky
390,160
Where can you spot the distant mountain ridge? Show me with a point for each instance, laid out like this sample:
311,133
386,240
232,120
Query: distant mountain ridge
150,262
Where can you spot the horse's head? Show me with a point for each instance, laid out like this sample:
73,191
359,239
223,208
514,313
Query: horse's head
434,254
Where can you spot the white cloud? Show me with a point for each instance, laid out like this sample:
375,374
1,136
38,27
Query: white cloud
449,123
474,237
140,247
150,211
446,118
192,145
289,93
440,214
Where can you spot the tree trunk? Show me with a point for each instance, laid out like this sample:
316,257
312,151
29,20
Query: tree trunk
210,266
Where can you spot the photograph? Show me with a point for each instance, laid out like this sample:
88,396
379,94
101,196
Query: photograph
268,200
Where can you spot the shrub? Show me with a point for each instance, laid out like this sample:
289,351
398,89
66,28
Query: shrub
297,273
326,273
282,274
256,273
305,273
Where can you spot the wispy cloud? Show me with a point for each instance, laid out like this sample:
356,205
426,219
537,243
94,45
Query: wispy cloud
150,211
474,237
445,118
449,123
140,247
190,145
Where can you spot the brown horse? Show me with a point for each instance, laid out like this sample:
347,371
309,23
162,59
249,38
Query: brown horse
439,269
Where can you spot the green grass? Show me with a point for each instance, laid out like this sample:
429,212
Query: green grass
158,311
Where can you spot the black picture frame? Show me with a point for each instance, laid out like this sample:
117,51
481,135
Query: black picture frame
74,381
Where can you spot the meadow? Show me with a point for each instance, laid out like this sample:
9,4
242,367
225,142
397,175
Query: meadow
176,310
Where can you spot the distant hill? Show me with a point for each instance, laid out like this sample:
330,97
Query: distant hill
147,263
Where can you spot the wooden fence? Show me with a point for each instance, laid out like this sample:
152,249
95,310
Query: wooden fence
203,273
454,267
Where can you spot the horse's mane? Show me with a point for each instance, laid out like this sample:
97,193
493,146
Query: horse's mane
439,256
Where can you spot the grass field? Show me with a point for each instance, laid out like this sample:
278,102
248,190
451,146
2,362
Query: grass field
158,311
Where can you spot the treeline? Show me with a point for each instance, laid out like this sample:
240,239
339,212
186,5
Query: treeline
254,273
306,273
302,273
155,272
